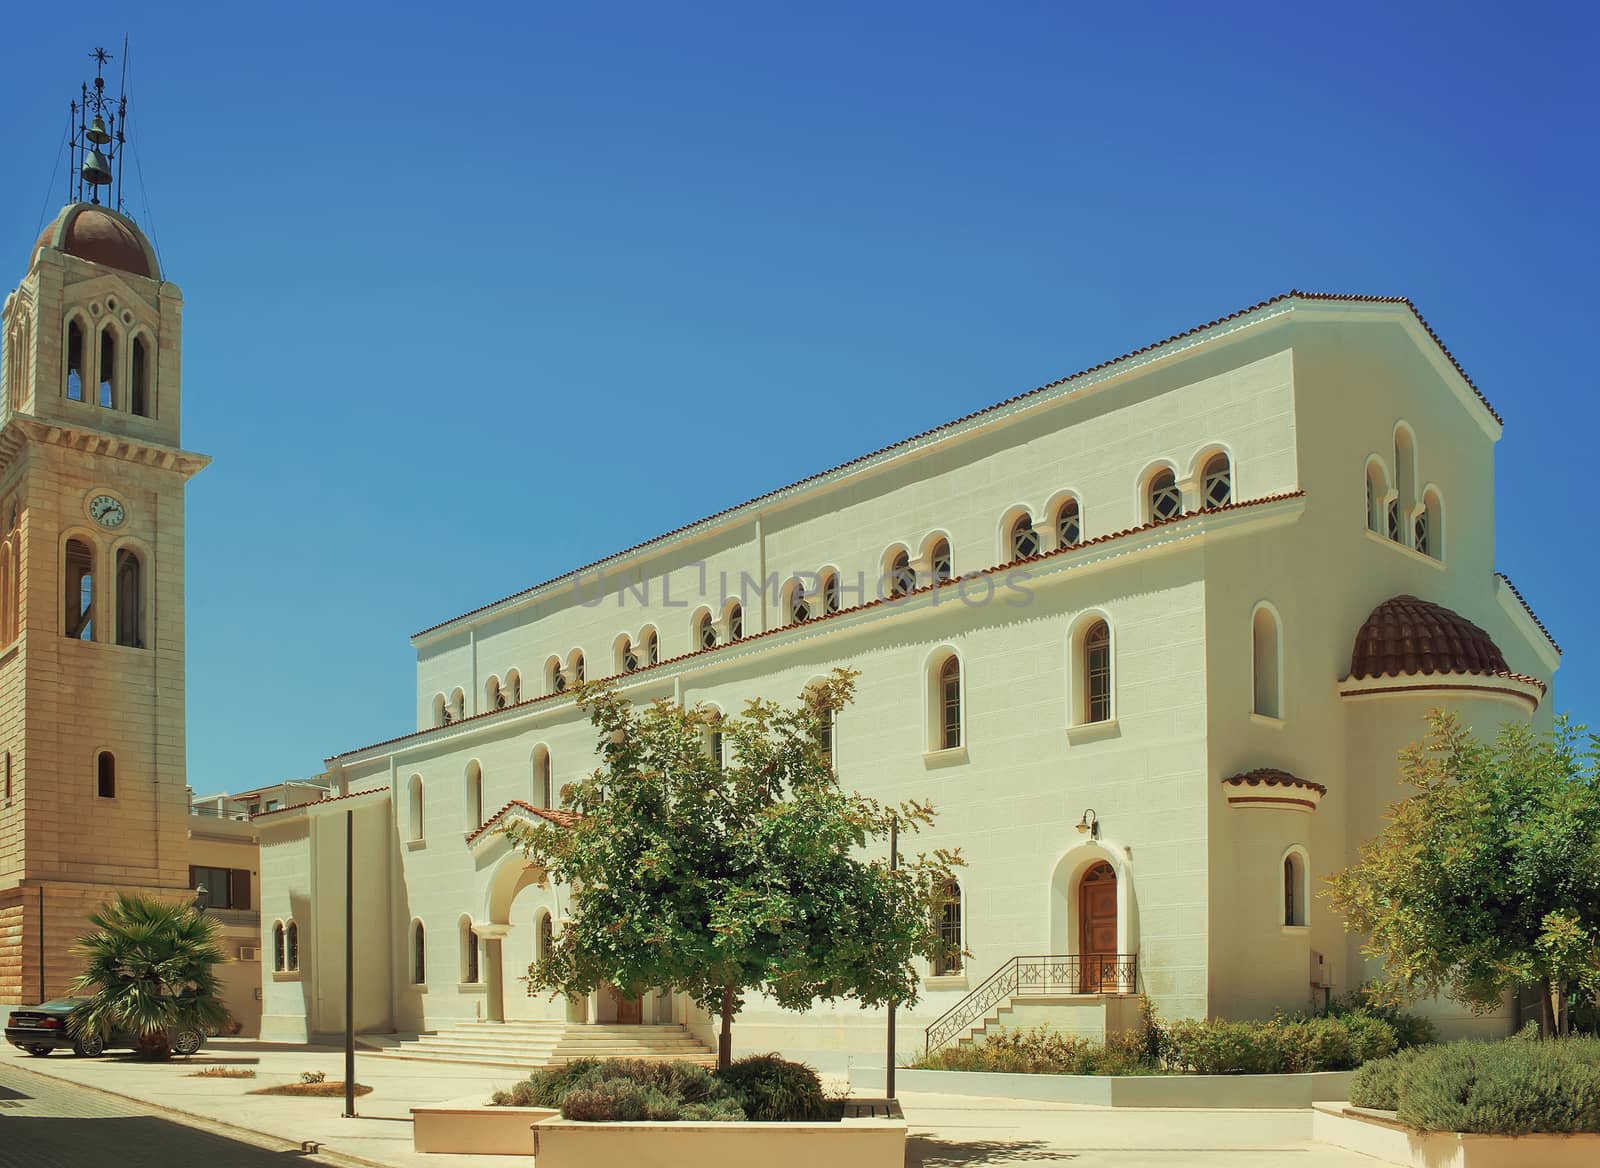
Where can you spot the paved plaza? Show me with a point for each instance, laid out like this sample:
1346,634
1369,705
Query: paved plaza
147,1118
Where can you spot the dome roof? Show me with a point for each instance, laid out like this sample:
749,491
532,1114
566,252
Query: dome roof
1405,635
101,236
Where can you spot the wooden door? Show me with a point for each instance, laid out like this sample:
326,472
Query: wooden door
1097,929
630,1011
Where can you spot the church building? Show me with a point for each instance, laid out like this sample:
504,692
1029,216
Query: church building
1149,637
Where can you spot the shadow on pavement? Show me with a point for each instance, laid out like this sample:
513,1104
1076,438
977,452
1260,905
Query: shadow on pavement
926,1152
127,1142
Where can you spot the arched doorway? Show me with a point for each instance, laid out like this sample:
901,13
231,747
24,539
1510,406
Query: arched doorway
1097,929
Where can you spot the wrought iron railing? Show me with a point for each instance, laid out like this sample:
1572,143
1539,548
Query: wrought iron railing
1059,973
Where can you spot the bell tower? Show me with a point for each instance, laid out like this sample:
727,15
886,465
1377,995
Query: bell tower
92,477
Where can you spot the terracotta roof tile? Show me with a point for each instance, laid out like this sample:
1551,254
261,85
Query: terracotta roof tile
1528,608
1272,777
317,802
1405,635
554,814
1293,294
927,588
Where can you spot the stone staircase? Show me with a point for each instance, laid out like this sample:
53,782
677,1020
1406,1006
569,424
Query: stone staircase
530,1044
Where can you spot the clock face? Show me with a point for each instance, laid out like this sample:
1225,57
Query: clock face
107,511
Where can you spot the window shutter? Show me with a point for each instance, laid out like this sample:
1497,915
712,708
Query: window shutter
239,888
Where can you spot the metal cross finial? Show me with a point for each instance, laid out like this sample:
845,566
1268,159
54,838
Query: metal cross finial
100,57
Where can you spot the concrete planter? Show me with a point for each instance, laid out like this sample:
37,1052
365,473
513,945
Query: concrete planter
1218,1091
1379,1135
852,1143
470,1126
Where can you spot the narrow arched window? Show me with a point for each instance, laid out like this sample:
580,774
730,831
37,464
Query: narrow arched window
441,712
108,369
1216,483
1266,659
825,735
291,944
705,633
8,774
547,937
105,775
1405,480
1166,501
652,647
419,954
832,598
541,776
735,621
555,677
948,960
1069,524
939,561
469,953
79,591
1097,672
1024,539
1377,494
513,687
130,599
474,796
1294,893
278,948
75,374
627,656
799,610
575,666
139,379
901,578
417,823
459,701
716,744
949,699
494,694
1430,526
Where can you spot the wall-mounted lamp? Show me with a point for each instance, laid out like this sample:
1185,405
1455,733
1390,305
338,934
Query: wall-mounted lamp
201,895
1089,825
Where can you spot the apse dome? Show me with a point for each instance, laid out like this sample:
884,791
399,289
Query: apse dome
100,236
1405,635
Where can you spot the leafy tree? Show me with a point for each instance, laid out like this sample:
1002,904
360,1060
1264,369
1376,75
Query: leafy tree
149,971
755,873
1487,877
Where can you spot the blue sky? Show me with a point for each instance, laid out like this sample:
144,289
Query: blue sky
617,266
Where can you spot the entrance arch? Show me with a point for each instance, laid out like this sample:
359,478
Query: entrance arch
1094,914
1097,927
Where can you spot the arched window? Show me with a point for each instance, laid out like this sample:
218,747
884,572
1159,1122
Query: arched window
627,656
652,646
547,937
1267,660
1023,538
1377,494
8,614
419,954
469,953
832,597
513,687
1069,524
715,743
945,721
108,368
794,602
1430,525
825,735
494,696
705,633
291,944
474,795
1405,480
105,775
8,774
1216,482
75,373
575,667
1294,889
939,562
901,578
735,620
458,703
79,623
1166,501
541,776
555,677
414,798
1092,669
278,949
951,937
441,712
139,379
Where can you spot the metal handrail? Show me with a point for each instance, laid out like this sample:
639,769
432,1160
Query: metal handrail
1073,973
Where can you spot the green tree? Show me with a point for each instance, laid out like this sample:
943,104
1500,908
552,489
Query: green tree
149,971
1486,878
717,878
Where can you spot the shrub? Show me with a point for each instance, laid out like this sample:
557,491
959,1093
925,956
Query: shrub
771,1088
1219,1047
1283,1045
1409,1029
1501,1088
717,1111
310,1077
618,1100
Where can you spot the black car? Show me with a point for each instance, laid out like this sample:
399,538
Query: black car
39,1030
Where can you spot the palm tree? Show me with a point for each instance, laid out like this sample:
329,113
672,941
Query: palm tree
149,972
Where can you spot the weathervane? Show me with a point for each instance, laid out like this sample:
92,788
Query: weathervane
95,134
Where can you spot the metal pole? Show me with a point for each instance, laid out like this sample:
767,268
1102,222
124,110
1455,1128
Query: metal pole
894,865
349,963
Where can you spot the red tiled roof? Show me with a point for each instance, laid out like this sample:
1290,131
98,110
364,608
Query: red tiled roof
1528,608
317,802
926,588
1406,635
1292,294
553,814
1272,777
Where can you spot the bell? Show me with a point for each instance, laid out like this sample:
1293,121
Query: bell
96,132
95,169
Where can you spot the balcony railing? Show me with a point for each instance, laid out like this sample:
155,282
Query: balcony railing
235,916
1060,973
220,813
